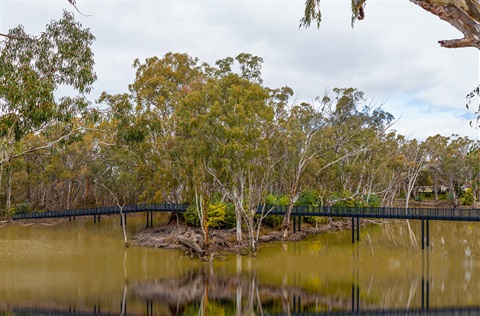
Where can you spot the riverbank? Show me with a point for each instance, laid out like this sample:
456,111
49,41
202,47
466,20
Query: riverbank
190,240
33,222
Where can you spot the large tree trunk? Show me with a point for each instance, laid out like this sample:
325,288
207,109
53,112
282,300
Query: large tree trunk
238,202
9,189
286,220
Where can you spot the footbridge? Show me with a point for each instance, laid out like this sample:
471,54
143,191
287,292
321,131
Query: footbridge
298,212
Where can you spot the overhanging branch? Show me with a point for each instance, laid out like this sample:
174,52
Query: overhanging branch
466,20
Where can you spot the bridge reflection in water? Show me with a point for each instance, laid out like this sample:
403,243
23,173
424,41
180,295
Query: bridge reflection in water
205,292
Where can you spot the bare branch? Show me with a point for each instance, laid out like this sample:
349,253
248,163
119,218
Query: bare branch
46,146
74,4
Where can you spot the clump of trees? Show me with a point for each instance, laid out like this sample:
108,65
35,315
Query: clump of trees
213,136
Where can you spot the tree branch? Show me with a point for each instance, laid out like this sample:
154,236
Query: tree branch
463,19
74,4
14,37
46,146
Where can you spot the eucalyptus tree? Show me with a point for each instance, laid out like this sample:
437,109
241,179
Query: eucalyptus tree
298,143
160,86
120,141
473,159
394,161
464,15
435,146
353,130
456,171
415,161
32,69
328,146
225,125
358,129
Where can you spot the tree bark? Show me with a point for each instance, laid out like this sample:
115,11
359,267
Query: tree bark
463,15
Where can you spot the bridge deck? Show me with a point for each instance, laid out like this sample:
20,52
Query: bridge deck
382,213
106,210
379,213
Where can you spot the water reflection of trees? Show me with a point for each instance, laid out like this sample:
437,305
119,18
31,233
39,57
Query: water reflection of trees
205,292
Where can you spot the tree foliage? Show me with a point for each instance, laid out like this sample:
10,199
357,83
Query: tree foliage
33,116
33,69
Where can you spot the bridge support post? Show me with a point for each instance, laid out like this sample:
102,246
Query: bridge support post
149,219
423,294
423,234
299,223
294,224
425,281
358,228
353,297
428,234
353,230
149,308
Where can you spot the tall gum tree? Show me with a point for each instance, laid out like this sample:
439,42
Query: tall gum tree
330,136
223,128
31,70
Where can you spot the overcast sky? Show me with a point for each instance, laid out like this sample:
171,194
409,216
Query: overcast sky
393,55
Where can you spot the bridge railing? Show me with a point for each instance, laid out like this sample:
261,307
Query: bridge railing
104,210
330,211
375,212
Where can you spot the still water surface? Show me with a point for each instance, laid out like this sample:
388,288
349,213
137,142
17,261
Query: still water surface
84,266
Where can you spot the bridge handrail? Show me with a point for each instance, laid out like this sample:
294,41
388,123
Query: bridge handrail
330,211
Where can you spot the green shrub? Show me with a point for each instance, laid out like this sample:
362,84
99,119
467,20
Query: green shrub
276,200
308,198
374,200
191,216
219,215
442,197
345,200
273,221
18,209
419,198
230,218
467,196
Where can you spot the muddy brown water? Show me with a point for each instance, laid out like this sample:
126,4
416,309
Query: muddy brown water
84,266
